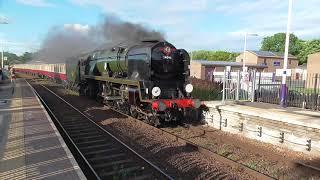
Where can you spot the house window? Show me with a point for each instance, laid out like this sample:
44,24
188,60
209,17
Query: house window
289,61
276,63
265,61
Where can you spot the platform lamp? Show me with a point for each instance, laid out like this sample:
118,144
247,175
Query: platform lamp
283,96
245,49
2,21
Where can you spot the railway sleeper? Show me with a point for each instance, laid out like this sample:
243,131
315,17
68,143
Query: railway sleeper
108,154
145,176
84,134
105,164
77,128
111,157
74,124
94,147
88,143
120,166
86,138
93,140
124,173
101,151
83,131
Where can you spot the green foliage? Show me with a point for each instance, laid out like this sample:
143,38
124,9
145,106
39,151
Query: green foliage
297,47
309,47
15,59
276,43
214,55
205,90
26,57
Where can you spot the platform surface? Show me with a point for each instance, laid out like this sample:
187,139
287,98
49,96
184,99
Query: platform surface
30,145
292,115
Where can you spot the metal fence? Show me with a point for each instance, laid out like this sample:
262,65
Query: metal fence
303,90
235,87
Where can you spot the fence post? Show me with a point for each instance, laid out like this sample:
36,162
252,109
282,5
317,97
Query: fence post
238,85
253,89
315,92
224,86
259,87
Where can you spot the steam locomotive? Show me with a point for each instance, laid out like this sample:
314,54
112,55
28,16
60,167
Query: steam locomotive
147,80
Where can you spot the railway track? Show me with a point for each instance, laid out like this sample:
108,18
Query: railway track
99,153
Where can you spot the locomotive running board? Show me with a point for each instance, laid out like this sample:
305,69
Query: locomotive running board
113,80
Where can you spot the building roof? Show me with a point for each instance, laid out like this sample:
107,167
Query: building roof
227,63
270,54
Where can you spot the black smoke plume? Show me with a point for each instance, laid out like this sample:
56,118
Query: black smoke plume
63,43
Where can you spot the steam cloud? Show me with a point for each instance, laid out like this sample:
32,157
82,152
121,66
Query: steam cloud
69,41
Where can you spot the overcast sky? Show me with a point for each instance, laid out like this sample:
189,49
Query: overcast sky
189,24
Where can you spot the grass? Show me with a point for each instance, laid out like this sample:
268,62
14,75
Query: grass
206,94
225,150
252,165
206,90
304,90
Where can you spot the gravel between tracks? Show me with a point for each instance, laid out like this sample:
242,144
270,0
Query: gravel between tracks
277,162
183,161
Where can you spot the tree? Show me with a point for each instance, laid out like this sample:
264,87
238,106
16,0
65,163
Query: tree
214,55
277,43
12,58
26,57
308,47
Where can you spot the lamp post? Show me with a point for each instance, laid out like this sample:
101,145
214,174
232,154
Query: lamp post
285,61
245,49
2,21
2,55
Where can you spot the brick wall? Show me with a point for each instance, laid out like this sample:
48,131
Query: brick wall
231,121
250,58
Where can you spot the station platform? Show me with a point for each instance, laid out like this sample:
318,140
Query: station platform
30,145
294,128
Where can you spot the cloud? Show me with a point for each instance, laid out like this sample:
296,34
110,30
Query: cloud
269,17
216,24
36,3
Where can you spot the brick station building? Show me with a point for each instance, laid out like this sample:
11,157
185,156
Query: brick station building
273,60
203,69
